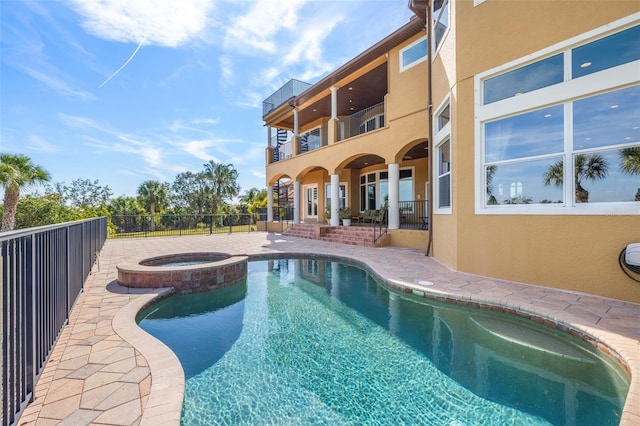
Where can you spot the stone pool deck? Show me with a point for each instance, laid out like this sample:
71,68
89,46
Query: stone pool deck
104,370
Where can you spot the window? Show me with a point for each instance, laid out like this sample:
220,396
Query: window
444,174
311,201
372,123
442,159
440,22
534,76
374,189
608,52
413,54
342,193
575,144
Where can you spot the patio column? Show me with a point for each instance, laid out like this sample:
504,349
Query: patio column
296,124
270,204
335,199
394,190
334,102
296,201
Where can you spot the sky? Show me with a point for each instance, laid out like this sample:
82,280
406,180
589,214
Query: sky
124,91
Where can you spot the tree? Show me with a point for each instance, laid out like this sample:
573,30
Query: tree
17,172
491,171
124,206
189,193
253,199
630,162
84,194
587,168
222,181
44,210
152,194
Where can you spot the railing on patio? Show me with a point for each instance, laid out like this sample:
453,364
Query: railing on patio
283,215
363,121
381,228
414,214
133,226
43,271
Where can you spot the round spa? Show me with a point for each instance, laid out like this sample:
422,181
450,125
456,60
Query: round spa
185,272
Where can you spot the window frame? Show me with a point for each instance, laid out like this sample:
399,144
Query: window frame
564,93
327,193
376,183
307,204
404,67
442,135
436,48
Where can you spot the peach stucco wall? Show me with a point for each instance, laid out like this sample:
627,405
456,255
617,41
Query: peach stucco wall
575,252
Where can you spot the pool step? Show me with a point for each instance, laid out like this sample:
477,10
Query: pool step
352,235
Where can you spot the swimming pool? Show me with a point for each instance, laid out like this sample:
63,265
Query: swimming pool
304,341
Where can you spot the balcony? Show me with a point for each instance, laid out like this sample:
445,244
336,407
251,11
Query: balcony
364,121
292,88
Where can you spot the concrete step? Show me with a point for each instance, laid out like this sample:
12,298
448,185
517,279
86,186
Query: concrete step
351,235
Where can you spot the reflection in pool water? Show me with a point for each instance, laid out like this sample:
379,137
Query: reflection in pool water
318,342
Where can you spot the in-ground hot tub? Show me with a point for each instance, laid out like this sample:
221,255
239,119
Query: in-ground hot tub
186,272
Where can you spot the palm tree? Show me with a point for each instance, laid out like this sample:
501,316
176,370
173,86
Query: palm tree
491,171
17,172
223,182
152,194
587,167
630,162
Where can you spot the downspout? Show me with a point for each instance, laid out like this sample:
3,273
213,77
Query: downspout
430,125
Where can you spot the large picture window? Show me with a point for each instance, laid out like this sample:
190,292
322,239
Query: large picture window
576,144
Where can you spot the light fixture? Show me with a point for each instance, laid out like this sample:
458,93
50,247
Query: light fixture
351,108
350,88
586,64
614,106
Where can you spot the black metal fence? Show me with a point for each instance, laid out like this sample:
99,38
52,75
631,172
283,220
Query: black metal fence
414,214
43,271
133,226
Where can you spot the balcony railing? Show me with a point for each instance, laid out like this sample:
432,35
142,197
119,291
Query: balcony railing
361,122
43,272
291,88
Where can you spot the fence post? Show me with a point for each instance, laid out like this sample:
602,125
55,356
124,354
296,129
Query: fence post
210,224
230,219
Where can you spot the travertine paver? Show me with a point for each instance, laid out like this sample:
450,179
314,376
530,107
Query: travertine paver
105,370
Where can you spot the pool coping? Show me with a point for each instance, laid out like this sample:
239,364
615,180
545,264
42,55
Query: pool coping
616,330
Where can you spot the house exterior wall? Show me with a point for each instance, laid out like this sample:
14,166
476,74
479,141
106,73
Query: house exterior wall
571,251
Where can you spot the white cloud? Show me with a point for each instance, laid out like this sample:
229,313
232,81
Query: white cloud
226,69
265,19
199,150
162,23
36,143
55,83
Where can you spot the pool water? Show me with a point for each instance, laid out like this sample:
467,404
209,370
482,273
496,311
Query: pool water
318,342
